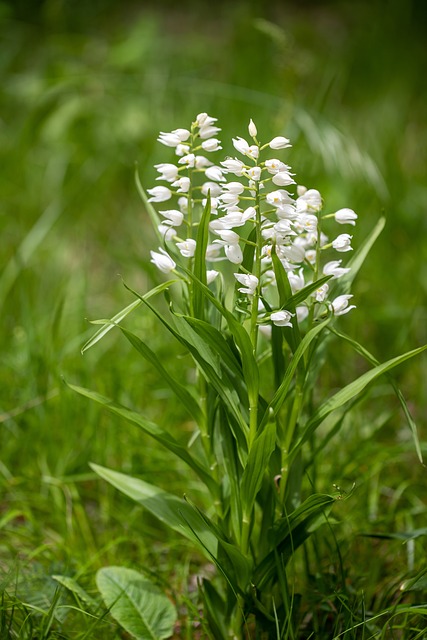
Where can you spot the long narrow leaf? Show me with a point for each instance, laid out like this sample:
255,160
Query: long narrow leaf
107,325
258,459
163,437
200,257
349,392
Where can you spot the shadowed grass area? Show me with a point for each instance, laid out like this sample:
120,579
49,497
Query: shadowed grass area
83,96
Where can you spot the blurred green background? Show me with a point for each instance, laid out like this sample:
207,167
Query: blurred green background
85,89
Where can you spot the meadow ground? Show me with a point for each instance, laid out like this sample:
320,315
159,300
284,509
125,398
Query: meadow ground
83,96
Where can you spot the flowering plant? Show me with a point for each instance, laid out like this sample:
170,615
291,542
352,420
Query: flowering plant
255,287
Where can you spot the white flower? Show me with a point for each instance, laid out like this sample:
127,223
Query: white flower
214,204
342,243
208,131
301,190
187,248
189,160
228,236
274,166
213,144
166,231
281,318
296,281
201,162
310,256
162,260
214,173
174,216
183,134
248,281
211,187
183,204
241,145
159,194
169,139
182,149
233,165
234,187
212,252
254,173
321,293
346,216
302,313
310,200
284,227
333,269
253,151
279,143
169,172
229,198
203,120
252,129
340,305
183,184
306,222
211,274
234,253
294,253
283,179
278,198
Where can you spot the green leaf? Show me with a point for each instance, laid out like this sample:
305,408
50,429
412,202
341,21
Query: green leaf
137,604
72,585
154,431
349,392
370,358
166,507
286,300
280,395
258,459
110,324
289,533
180,391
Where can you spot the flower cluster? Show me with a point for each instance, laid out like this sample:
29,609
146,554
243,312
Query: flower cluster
252,205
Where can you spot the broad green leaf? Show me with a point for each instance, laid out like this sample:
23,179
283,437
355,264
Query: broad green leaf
370,358
110,324
280,395
289,533
180,391
137,604
349,392
258,459
166,507
200,257
72,585
153,430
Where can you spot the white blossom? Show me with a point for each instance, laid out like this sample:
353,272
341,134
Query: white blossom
283,179
183,134
249,282
333,269
183,184
296,280
211,187
187,247
162,260
182,149
169,139
215,173
280,142
212,252
183,204
211,274
159,194
346,216
321,293
311,200
254,173
301,190
233,165
203,120
212,144
241,145
281,318
252,129
342,243
208,131
166,231
340,305
188,160
201,162
278,198
174,216
168,171
274,166
234,187
234,253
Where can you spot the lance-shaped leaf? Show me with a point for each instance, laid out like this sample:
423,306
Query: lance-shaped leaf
258,459
200,257
348,393
154,431
285,299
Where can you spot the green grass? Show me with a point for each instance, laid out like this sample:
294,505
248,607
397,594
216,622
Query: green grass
82,99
